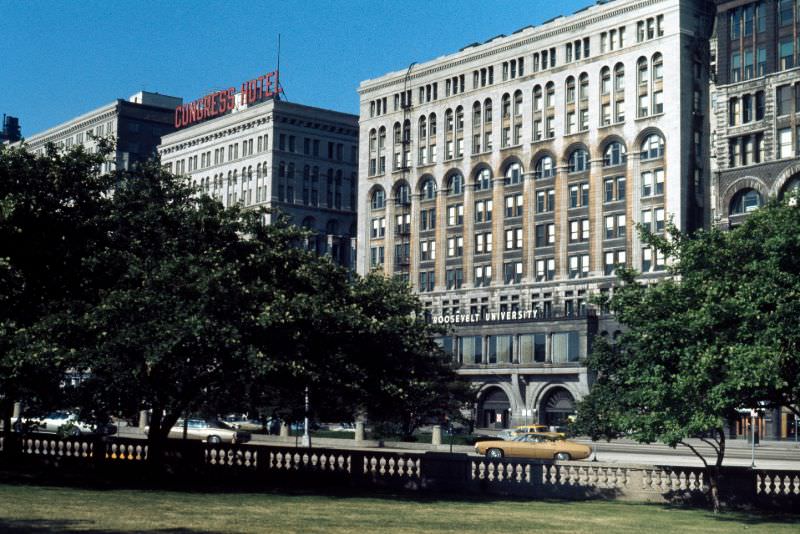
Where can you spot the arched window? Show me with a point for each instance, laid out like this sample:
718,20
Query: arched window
455,184
514,174
406,130
641,71
517,103
614,154
792,186
583,92
432,126
378,200
397,133
550,95
570,87
382,138
605,81
537,98
578,160
423,128
487,111
332,228
483,180
745,201
619,77
658,67
506,106
459,118
428,189
544,167
402,193
448,120
476,115
373,139
652,147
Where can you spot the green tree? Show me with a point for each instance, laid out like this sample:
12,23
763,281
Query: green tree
167,301
716,335
49,207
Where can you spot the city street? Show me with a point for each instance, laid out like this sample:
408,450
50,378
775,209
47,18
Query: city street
768,454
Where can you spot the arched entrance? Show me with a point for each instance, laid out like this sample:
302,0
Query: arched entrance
792,185
494,409
557,406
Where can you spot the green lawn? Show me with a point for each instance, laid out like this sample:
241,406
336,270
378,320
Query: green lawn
30,508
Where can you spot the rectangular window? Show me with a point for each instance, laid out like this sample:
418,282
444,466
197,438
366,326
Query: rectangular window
736,67
647,260
786,54
565,347
785,12
455,214
659,181
783,100
658,102
647,184
785,148
659,218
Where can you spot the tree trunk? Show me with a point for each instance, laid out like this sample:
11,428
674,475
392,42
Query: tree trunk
714,472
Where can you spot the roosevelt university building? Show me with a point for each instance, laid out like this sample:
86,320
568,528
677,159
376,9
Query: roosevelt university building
505,181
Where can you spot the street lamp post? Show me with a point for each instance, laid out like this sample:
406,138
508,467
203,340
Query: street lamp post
306,441
753,439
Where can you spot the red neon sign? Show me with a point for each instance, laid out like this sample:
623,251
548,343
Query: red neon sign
221,102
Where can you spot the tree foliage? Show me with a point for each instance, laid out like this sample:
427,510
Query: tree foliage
49,208
176,305
718,334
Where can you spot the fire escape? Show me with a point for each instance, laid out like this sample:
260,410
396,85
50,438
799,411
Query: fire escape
403,195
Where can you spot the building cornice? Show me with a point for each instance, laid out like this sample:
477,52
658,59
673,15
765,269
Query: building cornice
570,24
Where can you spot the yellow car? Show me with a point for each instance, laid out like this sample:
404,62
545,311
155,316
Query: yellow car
517,431
536,446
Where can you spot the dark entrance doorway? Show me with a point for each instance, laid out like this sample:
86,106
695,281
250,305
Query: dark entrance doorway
557,407
494,410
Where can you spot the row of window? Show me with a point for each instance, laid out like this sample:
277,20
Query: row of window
650,101
578,265
652,149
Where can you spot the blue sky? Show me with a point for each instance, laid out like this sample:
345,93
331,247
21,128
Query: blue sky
61,58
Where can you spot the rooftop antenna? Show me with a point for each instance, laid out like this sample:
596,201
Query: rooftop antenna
279,88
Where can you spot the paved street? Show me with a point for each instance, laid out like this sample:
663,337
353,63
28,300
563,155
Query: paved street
769,454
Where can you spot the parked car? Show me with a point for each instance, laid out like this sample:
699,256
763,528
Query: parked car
209,431
243,423
67,423
512,433
536,446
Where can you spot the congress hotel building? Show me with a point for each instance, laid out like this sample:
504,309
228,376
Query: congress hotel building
505,182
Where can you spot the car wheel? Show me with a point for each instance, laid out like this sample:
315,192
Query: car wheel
494,454
564,456
214,440
74,432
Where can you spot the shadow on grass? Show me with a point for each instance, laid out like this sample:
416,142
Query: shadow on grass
19,526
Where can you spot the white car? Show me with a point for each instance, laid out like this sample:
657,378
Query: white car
72,426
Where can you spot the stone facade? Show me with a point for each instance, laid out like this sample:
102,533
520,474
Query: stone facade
755,100
508,178
136,125
297,159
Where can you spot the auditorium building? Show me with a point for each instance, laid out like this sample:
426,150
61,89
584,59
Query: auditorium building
505,181
262,151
